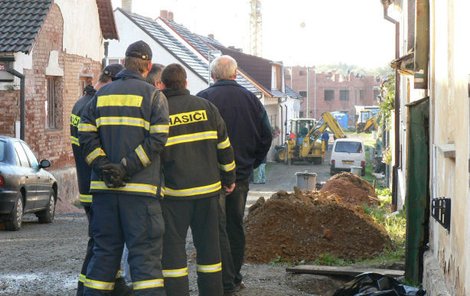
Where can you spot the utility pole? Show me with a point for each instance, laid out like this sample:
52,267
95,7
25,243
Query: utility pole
256,22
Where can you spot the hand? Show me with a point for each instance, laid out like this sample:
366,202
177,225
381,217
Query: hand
113,175
229,189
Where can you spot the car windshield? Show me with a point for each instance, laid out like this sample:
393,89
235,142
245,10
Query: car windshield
349,147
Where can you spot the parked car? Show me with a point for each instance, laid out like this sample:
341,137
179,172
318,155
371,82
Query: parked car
348,154
25,187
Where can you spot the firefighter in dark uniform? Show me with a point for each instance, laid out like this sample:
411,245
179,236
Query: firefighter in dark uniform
123,131
83,169
198,162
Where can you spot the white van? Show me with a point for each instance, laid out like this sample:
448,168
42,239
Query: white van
346,154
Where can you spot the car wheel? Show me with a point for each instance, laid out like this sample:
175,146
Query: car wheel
47,215
16,216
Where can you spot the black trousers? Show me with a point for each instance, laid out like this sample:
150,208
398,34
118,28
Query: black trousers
232,236
89,251
138,222
202,216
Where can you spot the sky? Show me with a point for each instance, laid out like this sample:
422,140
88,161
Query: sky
296,32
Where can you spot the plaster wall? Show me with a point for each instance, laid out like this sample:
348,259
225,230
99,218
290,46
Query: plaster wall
449,76
82,30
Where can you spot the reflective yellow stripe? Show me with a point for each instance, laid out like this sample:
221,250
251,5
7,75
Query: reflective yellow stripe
159,128
173,273
86,198
142,156
82,278
211,268
148,284
74,141
122,120
94,154
209,135
86,127
227,167
224,144
74,120
193,191
130,187
119,101
99,285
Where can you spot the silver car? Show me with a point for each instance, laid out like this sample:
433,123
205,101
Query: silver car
25,187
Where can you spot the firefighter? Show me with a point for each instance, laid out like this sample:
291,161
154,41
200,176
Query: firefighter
198,162
83,169
123,131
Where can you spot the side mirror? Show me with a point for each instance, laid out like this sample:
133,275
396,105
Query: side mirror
44,164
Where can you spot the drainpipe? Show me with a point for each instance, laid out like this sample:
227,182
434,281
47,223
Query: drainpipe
397,111
22,100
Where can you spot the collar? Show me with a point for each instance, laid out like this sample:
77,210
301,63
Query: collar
225,82
126,74
169,92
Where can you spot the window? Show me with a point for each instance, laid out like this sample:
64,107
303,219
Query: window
344,95
303,93
2,151
32,159
54,102
329,94
302,73
362,94
21,155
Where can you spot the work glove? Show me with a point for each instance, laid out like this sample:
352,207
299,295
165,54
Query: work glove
114,175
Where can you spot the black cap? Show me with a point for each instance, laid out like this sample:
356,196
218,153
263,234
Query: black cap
140,50
112,69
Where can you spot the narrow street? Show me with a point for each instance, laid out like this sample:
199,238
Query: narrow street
45,259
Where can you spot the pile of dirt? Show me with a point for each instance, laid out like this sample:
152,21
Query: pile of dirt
307,225
351,189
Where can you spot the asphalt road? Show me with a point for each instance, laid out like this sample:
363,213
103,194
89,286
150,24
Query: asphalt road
45,259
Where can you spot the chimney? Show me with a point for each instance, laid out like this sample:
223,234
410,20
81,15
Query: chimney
164,14
211,36
170,15
126,5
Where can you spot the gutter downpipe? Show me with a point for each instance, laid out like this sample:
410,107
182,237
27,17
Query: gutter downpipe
22,100
397,111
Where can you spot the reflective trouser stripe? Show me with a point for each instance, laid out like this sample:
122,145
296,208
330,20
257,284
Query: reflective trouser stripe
174,273
99,285
86,198
209,268
82,278
148,284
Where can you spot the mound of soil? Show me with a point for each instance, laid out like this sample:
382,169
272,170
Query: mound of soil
351,189
306,225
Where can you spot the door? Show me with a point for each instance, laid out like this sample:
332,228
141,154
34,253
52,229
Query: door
43,187
28,177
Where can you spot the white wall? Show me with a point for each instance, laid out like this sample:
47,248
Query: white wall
82,30
129,33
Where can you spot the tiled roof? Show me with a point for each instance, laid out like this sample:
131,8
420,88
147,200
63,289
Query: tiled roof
292,93
20,22
173,46
107,23
203,45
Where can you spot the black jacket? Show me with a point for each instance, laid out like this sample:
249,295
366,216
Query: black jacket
127,118
83,169
247,123
198,157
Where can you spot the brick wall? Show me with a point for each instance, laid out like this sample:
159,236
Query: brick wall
52,144
319,82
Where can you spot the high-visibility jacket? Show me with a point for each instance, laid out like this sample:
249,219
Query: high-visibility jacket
198,158
83,169
127,119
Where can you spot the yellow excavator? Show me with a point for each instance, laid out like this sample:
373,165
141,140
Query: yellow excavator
366,122
304,143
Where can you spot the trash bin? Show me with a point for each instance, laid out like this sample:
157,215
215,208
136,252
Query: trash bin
306,180
356,170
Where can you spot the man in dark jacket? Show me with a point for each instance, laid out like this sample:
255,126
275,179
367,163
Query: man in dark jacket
250,134
83,169
198,162
123,131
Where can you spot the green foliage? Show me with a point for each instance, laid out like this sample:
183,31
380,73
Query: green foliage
387,103
331,260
